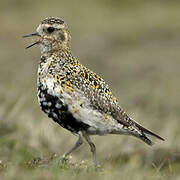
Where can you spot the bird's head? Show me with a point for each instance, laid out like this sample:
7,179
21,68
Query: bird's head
52,35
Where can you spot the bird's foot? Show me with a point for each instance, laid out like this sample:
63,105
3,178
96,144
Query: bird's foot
61,161
97,167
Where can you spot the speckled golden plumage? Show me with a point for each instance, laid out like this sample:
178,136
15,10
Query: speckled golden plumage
74,96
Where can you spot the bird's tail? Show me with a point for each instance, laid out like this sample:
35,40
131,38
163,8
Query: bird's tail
142,132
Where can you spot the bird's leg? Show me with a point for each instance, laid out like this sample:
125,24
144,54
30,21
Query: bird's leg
93,149
78,143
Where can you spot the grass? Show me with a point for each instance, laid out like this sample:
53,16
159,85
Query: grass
135,47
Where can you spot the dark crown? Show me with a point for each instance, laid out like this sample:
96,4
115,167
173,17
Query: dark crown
52,20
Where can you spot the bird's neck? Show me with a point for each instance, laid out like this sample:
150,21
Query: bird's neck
61,52
59,56
54,47
51,60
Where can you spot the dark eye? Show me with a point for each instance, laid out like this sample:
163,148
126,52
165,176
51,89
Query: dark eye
50,29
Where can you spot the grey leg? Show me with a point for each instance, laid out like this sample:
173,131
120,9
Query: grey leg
77,144
93,148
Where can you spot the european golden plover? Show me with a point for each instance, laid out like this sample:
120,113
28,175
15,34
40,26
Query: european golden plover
74,96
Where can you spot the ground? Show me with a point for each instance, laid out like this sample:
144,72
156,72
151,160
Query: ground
134,46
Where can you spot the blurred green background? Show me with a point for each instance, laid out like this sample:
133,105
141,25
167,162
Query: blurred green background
134,46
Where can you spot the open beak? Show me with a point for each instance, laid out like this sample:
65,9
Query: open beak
30,35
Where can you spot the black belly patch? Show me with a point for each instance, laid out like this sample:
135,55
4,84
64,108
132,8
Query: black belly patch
58,111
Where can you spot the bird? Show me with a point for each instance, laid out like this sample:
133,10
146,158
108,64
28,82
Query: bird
74,96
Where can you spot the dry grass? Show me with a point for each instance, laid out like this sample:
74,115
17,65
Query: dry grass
135,47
